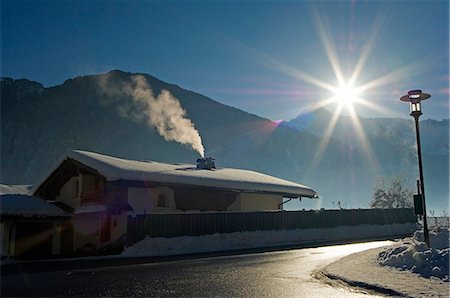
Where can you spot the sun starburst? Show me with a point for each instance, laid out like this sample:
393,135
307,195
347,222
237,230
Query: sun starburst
346,94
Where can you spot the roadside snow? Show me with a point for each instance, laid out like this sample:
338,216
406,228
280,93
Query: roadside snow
363,270
245,240
412,254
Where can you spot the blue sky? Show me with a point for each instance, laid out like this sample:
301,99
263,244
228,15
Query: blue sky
269,58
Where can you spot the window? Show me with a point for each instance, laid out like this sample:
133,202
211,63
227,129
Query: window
161,200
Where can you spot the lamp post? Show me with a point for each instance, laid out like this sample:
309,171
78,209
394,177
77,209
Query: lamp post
414,97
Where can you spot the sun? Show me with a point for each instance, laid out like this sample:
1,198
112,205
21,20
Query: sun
346,94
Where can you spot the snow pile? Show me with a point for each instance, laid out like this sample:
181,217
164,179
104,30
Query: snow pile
252,239
412,254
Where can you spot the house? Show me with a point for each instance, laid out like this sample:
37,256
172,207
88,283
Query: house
99,192
31,227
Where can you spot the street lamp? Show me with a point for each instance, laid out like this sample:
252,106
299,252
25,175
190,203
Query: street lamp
414,97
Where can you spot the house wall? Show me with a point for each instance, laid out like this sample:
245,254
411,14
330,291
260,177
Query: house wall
169,199
84,184
92,188
203,199
86,231
89,183
118,225
256,202
141,199
236,205
87,228
2,239
116,193
146,199
69,194
5,243
56,239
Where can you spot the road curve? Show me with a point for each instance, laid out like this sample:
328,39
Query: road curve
272,274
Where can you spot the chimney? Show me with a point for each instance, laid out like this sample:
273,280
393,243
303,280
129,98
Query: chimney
206,163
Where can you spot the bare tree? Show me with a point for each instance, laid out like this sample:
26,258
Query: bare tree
439,222
390,193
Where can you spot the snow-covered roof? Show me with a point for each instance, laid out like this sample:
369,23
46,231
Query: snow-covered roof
23,205
14,189
113,169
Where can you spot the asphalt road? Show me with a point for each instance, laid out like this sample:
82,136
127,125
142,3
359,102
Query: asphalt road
273,274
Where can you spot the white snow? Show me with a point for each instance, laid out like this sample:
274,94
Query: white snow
113,168
14,189
412,254
23,205
245,240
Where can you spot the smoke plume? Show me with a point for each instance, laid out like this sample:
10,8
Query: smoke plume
163,112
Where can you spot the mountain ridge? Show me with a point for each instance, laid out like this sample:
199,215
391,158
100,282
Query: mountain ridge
433,131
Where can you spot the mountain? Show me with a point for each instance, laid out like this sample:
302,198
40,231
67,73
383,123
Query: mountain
393,145
398,132
39,125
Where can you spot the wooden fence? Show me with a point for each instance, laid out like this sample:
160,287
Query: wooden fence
194,224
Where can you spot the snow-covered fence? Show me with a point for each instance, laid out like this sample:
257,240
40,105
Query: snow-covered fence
195,224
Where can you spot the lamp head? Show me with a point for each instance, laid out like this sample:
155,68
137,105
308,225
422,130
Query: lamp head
414,97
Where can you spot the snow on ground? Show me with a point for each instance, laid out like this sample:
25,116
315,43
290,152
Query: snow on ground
412,254
363,270
245,240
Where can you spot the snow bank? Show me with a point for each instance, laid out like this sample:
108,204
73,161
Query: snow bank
412,254
245,240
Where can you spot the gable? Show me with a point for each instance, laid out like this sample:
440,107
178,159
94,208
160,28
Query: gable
68,168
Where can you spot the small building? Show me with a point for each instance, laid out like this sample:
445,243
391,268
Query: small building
31,227
100,191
